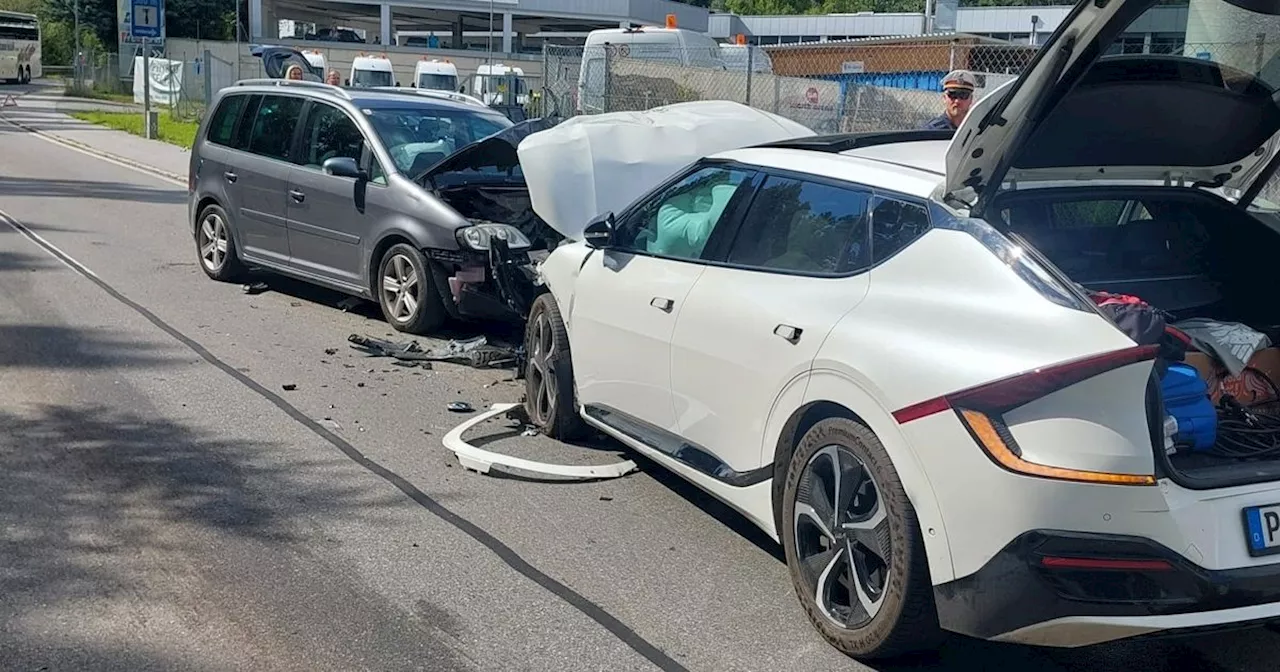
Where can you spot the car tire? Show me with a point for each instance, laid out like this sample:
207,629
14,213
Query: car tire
216,245
889,611
407,293
550,398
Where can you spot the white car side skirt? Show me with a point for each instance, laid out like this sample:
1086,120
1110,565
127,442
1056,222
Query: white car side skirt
480,460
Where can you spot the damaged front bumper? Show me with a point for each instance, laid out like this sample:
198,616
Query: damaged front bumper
498,285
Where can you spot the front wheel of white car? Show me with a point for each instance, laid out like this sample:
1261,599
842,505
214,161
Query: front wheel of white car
853,545
549,398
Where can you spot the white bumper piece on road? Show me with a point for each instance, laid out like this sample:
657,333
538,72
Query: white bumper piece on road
477,459
1077,631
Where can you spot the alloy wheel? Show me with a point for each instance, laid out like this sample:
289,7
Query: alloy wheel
400,288
842,537
542,370
213,242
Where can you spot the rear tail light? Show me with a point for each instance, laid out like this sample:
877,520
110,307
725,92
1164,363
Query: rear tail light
981,410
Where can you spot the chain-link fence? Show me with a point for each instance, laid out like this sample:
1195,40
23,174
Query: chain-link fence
846,86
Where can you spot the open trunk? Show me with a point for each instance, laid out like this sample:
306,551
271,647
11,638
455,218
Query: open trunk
1195,256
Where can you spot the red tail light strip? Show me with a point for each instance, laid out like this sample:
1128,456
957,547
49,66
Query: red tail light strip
1054,562
1007,393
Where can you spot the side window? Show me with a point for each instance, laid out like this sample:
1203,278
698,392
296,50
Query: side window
223,123
804,227
241,139
1087,214
679,221
329,133
894,225
272,132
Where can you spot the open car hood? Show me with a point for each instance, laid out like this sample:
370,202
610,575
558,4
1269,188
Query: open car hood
497,151
1074,114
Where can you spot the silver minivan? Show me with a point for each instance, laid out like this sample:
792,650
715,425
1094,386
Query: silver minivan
397,196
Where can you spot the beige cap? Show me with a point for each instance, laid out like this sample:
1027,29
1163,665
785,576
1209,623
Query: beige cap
959,79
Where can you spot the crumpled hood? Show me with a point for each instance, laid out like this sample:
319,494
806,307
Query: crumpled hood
495,151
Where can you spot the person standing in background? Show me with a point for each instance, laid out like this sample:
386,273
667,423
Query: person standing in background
957,96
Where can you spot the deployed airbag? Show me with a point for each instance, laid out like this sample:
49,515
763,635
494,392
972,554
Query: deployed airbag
593,164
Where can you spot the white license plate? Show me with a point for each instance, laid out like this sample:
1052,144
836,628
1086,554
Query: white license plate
1262,529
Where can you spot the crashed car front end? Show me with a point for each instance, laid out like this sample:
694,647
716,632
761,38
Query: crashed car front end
492,273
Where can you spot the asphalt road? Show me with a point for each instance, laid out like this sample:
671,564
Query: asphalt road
166,504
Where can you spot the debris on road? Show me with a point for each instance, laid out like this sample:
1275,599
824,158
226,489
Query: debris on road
480,460
255,288
349,303
289,387
475,352
460,407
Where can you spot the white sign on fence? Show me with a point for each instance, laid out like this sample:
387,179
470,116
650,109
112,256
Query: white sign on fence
165,80
853,67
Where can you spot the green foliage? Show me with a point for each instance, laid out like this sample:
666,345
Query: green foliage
204,19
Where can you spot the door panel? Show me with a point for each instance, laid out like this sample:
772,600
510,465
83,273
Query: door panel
747,331
623,317
262,175
629,297
329,216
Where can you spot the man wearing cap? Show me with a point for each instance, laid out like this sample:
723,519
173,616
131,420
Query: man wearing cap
957,96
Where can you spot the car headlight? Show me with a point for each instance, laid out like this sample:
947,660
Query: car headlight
478,236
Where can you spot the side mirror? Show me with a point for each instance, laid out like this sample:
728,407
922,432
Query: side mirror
397,84
343,166
599,233
346,82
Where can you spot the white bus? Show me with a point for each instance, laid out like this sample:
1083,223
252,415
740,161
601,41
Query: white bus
19,47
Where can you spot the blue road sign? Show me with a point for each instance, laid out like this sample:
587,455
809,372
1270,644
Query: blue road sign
147,19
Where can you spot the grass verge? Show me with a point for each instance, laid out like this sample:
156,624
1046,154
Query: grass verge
171,130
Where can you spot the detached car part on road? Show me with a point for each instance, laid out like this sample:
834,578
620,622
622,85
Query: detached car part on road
400,198
872,346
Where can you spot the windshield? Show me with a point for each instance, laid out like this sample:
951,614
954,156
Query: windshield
371,78
420,137
438,82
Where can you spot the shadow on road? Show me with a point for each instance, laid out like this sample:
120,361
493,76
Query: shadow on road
118,191
132,519
28,346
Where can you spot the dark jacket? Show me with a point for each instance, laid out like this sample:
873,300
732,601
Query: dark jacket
939,123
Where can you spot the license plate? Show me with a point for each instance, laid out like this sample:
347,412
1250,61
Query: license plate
1262,529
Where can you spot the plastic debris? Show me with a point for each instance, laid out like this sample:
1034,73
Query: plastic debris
289,387
460,407
255,288
475,352
480,460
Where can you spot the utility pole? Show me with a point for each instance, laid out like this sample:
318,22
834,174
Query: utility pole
76,73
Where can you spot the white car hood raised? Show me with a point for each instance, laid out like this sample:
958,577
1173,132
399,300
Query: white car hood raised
1074,116
593,164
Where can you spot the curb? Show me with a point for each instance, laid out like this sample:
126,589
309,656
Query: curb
95,151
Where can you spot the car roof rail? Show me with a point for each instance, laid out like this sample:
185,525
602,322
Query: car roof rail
335,90
433,93
843,142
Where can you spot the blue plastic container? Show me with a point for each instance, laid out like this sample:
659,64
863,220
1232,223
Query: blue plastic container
1186,398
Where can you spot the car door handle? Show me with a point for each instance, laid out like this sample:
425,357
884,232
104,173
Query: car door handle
788,332
230,176
297,195
662,304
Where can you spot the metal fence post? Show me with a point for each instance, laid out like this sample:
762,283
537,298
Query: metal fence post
751,56
208,76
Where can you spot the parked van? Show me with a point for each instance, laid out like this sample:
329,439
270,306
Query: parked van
371,70
315,59
741,57
495,84
435,74
669,44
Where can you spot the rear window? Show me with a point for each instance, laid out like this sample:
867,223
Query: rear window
1099,240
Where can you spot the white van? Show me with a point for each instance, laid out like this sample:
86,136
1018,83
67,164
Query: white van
494,83
738,57
669,44
316,60
375,70
435,74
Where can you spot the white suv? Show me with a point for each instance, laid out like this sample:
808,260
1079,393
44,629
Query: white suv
882,351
